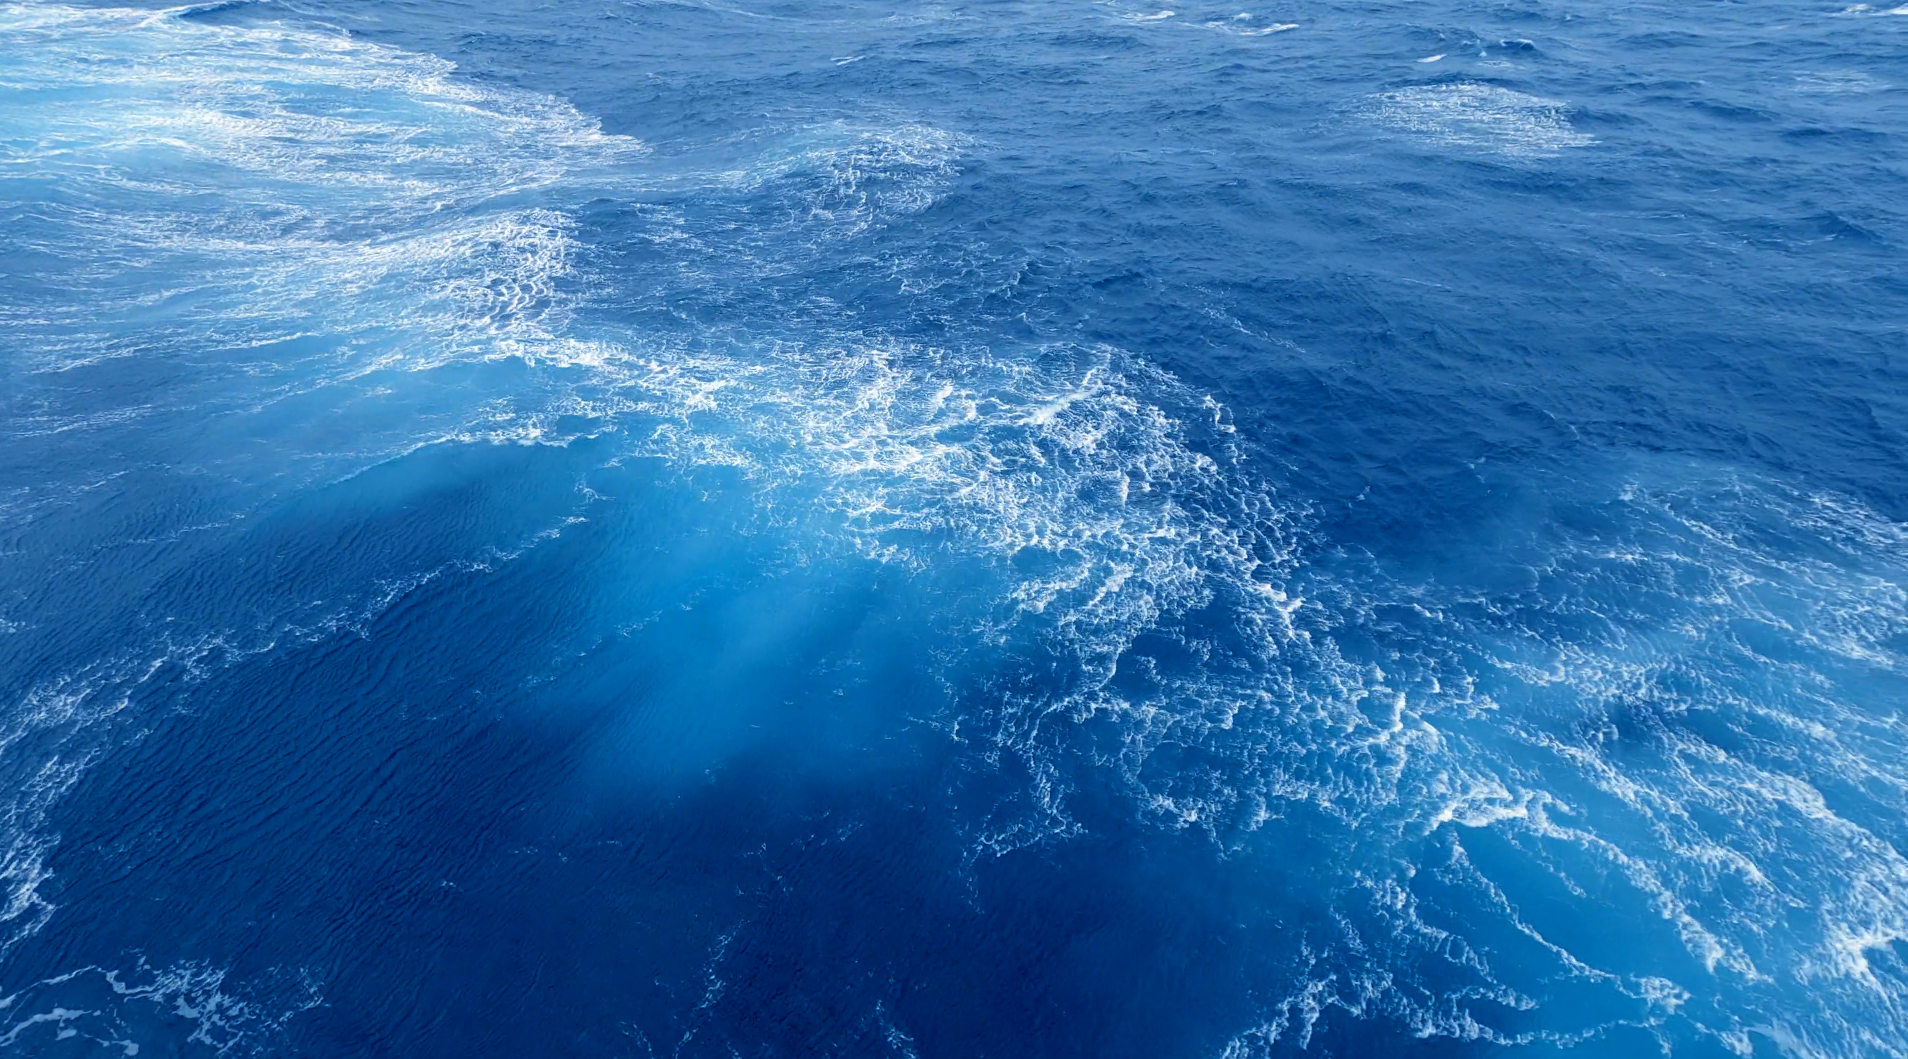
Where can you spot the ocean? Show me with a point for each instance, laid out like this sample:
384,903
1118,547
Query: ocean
1099,528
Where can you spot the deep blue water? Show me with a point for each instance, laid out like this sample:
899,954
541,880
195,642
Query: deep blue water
999,529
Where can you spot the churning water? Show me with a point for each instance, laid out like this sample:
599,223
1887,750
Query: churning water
769,528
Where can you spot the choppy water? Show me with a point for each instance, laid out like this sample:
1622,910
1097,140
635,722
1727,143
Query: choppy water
1005,529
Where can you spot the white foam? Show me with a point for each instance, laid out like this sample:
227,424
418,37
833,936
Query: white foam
405,244
1474,116
159,1008
1108,501
840,178
1261,31
1713,843
1839,82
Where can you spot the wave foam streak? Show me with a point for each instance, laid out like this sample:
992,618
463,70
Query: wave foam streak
271,204
226,248
126,1012
1672,702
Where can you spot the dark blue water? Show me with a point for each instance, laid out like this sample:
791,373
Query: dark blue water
769,528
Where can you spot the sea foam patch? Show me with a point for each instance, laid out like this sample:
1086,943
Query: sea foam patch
1683,709
1470,115
134,1011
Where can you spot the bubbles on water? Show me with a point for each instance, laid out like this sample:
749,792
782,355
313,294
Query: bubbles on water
840,178
1469,115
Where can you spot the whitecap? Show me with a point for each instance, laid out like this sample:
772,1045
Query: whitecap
1242,25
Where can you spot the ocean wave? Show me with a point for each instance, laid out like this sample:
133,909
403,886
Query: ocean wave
1674,693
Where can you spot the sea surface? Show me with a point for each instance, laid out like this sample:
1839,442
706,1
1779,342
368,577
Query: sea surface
1016,528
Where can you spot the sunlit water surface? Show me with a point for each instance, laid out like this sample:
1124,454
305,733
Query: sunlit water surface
1015,529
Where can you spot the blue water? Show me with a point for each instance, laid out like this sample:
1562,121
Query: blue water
766,528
